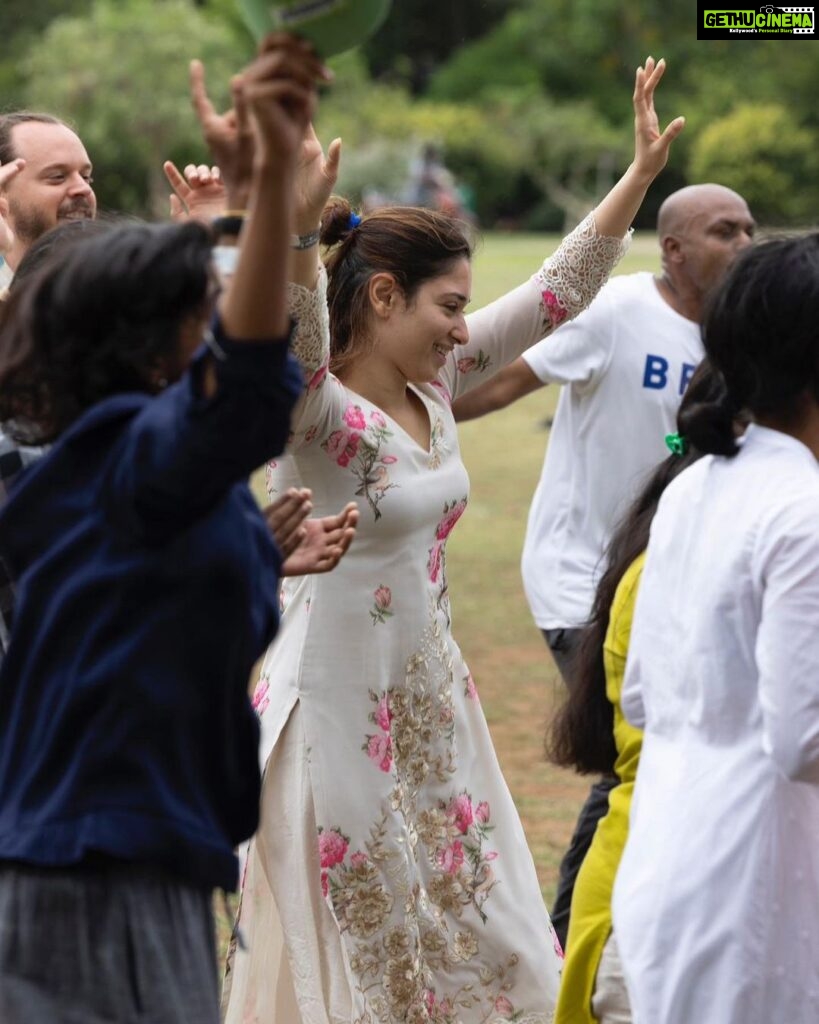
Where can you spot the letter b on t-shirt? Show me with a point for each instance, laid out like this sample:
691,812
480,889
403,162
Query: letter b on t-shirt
655,374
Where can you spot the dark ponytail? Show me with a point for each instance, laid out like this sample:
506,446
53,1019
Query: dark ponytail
581,735
412,244
709,425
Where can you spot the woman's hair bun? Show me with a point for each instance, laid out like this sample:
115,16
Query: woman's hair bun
337,221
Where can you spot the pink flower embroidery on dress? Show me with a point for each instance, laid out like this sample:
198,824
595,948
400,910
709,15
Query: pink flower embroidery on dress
332,847
451,858
383,715
358,445
317,379
260,699
504,1007
342,446
379,750
380,611
434,562
460,810
482,812
452,513
442,390
354,417
557,312
470,690
477,363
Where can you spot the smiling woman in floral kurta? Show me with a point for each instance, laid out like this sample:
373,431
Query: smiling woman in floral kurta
390,880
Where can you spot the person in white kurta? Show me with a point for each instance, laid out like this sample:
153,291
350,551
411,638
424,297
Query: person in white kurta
716,903
417,844
390,880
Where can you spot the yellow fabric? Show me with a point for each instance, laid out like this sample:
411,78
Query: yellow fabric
590,921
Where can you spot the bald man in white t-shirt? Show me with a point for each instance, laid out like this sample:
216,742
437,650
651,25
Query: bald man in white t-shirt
624,363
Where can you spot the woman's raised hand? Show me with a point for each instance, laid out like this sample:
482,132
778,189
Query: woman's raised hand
615,212
650,145
316,177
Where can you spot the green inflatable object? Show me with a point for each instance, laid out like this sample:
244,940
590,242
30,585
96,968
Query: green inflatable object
332,26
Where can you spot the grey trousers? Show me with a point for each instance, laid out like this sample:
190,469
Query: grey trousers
105,945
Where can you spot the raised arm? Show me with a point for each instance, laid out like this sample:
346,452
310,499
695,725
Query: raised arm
513,382
315,180
570,278
307,291
279,88
231,410
617,210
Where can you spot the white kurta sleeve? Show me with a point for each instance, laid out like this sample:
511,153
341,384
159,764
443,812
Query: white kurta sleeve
323,393
564,285
311,341
631,696
787,645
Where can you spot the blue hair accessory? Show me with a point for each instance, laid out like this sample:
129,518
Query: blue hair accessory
676,443
354,221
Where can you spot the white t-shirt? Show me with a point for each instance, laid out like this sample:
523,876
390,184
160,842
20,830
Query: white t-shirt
625,362
716,905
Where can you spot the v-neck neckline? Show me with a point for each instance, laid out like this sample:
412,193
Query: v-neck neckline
420,395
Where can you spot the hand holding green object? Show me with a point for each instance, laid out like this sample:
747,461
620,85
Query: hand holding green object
332,26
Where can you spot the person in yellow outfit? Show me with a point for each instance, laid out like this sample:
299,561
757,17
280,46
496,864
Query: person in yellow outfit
591,734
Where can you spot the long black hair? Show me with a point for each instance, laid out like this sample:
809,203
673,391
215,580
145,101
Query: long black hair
760,330
581,735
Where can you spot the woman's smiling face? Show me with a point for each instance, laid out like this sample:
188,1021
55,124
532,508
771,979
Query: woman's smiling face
421,333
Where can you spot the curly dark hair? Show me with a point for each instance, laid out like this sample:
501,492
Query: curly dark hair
97,318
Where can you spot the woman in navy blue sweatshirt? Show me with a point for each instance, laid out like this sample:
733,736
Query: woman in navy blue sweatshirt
147,586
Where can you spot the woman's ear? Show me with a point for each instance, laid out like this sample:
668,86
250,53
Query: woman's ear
384,294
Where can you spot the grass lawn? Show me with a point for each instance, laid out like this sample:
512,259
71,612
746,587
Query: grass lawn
517,682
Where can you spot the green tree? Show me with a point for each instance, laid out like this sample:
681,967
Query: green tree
21,22
763,153
120,74
383,128
420,36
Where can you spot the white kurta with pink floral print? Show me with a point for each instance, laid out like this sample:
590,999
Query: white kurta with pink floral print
403,885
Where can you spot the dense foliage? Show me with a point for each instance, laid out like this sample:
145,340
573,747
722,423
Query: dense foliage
528,101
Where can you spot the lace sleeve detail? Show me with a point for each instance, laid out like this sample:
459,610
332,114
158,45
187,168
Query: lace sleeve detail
311,342
572,276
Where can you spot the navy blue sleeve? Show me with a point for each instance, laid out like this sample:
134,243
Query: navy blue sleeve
183,451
